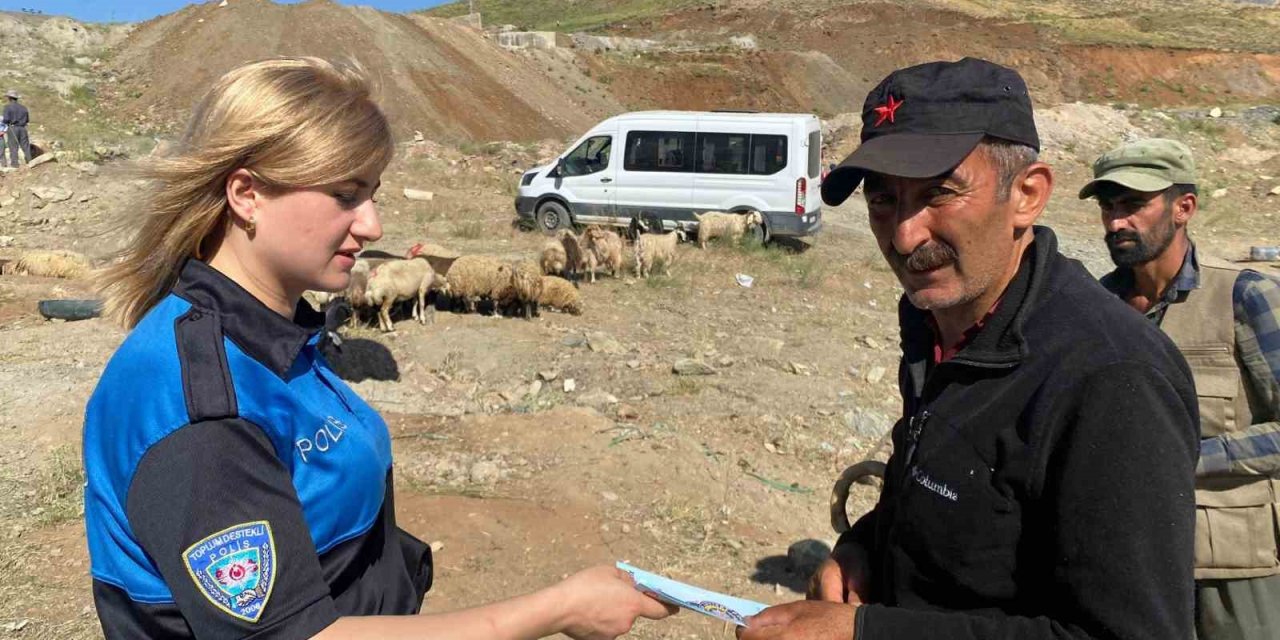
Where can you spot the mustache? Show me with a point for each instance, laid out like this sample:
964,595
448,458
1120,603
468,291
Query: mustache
1113,237
926,257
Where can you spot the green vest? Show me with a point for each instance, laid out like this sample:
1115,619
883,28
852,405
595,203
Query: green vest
1236,515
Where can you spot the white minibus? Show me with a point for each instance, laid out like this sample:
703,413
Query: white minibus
669,165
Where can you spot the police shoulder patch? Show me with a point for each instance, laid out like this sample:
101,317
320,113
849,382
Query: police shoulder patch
235,568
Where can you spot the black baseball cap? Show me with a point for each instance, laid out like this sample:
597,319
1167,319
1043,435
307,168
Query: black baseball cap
922,121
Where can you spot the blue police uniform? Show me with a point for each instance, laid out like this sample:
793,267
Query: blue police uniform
236,487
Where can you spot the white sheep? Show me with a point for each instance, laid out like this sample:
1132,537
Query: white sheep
434,281
560,294
357,286
430,249
554,258
397,280
602,248
318,299
474,277
656,248
439,257
354,293
717,224
374,257
51,263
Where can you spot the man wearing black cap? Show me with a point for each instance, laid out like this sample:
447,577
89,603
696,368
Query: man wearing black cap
1042,476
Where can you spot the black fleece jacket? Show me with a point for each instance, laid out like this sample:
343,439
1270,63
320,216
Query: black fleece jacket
1041,484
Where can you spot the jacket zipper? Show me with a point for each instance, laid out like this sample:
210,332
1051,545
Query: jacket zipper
915,427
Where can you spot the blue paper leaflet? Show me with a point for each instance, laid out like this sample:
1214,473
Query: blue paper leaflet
710,603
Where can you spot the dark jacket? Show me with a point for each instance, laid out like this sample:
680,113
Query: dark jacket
1042,480
16,115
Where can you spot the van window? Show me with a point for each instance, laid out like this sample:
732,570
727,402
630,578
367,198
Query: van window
589,157
740,153
815,153
659,151
768,154
723,152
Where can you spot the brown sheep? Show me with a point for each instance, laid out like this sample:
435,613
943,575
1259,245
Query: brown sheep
526,287
554,259
575,259
602,248
474,277
560,294
52,263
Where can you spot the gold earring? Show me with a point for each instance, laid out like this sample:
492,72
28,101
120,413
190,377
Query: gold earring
251,225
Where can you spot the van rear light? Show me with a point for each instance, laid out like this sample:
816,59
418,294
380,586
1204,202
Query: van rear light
801,189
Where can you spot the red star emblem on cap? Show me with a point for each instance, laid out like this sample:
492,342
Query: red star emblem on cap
886,111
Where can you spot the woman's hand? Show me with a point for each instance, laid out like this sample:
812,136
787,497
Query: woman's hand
597,604
602,603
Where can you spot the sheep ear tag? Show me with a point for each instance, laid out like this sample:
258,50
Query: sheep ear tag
235,568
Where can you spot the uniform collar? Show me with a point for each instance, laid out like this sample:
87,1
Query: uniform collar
265,335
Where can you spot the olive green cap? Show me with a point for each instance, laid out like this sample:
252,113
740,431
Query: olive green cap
1148,165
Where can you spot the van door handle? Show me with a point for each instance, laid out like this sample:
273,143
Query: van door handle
606,179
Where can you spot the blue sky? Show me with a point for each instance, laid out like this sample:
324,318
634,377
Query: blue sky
135,10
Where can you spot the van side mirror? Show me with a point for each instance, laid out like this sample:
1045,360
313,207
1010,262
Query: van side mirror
558,170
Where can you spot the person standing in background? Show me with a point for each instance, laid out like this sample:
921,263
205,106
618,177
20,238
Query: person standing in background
16,118
1226,321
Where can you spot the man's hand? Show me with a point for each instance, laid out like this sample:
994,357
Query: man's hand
843,577
802,621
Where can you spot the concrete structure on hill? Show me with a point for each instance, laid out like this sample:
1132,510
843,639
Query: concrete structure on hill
606,43
533,39
508,37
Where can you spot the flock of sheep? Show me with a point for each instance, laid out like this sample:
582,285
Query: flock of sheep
379,281
569,255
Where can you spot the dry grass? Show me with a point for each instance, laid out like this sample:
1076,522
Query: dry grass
584,15
470,229
59,487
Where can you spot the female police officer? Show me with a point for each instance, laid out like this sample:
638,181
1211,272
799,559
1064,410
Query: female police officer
236,487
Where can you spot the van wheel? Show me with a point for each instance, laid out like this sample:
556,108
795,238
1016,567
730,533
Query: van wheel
552,217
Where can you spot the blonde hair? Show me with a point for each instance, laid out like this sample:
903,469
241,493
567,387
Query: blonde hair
291,122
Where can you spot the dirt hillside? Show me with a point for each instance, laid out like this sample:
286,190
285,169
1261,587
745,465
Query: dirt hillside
434,76
823,56
454,84
865,41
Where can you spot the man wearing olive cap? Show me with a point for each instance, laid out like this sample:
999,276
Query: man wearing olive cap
1226,321
1042,474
